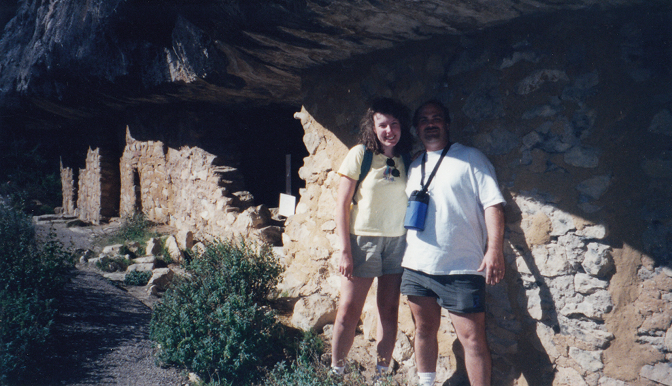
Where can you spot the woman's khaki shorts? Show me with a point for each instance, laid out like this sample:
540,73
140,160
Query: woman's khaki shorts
374,256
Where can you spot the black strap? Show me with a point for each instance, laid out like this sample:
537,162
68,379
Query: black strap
436,167
364,170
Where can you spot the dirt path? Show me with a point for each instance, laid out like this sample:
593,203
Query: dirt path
102,332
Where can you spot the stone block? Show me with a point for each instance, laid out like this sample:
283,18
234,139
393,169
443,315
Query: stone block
314,312
140,267
112,250
660,372
153,246
185,239
597,261
587,284
590,361
161,278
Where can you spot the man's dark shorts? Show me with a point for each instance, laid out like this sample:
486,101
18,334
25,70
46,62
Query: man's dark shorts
464,294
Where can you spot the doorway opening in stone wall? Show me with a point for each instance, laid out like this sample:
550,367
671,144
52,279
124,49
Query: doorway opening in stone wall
137,191
269,137
254,139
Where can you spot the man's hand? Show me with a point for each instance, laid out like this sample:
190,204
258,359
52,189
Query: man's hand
345,266
494,267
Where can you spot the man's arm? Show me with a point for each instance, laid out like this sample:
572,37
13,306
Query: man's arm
493,261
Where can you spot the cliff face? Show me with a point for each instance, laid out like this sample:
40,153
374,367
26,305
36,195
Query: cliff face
570,100
76,60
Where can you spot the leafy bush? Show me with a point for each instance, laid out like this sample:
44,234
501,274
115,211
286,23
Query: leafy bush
215,321
308,370
112,264
29,179
31,275
138,278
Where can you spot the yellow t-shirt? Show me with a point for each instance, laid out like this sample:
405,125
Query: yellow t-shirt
381,198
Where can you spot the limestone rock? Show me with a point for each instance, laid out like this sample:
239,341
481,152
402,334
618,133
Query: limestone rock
594,306
161,278
587,284
314,312
567,376
153,246
403,349
662,123
594,187
586,334
535,80
590,361
549,262
185,239
146,259
173,249
606,381
132,246
140,267
271,234
597,261
112,250
660,372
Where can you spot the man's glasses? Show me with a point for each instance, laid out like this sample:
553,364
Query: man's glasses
395,171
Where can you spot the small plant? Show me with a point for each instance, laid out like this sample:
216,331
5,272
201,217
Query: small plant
215,322
133,228
137,278
112,264
32,275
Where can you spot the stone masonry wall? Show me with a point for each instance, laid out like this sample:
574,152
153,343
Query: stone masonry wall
579,129
68,190
98,191
187,188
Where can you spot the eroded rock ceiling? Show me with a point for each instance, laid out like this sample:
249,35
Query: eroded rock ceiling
75,59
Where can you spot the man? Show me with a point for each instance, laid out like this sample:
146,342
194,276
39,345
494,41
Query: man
460,249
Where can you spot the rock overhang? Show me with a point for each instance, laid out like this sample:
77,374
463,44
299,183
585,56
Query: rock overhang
74,61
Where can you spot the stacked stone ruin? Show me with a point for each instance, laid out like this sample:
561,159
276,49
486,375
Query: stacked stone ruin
186,188
68,190
98,187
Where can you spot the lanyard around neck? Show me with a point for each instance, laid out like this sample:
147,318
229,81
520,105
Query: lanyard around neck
436,167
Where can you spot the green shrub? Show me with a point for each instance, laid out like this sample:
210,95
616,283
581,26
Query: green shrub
112,264
32,274
133,228
31,181
215,321
138,278
307,370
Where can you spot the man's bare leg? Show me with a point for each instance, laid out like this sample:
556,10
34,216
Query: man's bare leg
470,329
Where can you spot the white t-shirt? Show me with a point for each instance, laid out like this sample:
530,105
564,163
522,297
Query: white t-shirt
381,198
455,237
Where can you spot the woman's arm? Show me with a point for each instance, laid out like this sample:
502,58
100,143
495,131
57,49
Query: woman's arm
346,190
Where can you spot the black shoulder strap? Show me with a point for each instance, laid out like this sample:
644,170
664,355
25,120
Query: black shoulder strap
364,169
436,167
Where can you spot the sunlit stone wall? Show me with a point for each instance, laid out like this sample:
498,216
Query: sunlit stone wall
98,187
574,112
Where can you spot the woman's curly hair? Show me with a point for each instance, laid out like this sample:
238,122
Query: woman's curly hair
391,107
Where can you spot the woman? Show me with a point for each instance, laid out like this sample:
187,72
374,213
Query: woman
369,222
